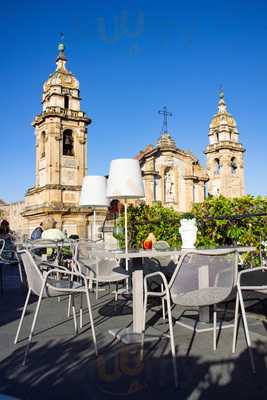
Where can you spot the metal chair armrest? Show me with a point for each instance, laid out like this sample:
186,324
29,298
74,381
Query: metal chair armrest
153,274
47,264
67,272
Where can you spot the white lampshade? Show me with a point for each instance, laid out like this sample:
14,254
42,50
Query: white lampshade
125,179
93,192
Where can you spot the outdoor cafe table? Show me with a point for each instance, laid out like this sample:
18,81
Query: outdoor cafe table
133,333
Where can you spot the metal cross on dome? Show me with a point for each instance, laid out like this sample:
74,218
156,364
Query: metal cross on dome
165,114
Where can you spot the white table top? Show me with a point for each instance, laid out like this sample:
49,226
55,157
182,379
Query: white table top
120,254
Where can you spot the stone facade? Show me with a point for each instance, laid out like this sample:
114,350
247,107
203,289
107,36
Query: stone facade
61,154
172,176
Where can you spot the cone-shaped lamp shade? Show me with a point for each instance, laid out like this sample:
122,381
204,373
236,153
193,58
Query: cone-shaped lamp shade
125,179
94,192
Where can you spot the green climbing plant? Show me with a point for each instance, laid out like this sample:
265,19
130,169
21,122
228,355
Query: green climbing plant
218,219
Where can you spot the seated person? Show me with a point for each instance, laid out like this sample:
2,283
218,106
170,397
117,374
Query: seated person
9,251
37,232
51,232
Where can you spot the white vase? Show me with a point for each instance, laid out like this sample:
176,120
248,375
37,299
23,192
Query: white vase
188,232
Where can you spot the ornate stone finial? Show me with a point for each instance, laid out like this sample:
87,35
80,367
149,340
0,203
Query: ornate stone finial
221,105
221,93
166,140
61,49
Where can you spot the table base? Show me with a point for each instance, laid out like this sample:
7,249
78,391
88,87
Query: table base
128,336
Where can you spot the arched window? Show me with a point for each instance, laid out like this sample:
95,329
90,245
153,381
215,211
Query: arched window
66,101
43,139
217,166
233,166
67,143
217,136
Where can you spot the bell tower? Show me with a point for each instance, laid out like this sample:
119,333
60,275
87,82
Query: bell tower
61,146
224,155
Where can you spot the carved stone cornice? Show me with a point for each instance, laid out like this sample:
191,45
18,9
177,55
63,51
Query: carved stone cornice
54,111
195,178
62,209
223,145
35,189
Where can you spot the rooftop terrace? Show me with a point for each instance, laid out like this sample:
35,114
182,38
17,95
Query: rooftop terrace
61,366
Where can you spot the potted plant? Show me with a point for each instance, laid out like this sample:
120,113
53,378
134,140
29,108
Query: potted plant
188,230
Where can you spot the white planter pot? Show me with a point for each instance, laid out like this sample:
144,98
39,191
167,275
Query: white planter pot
188,232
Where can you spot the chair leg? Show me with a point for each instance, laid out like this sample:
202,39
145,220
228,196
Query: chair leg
33,325
81,311
116,291
235,323
91,320
74,314
20,272
172,341
244,318
96,290
69,306
22,315
214,328
163,305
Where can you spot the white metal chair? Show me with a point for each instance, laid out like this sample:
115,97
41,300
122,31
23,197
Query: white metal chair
98,266
201,278
249,280
49,285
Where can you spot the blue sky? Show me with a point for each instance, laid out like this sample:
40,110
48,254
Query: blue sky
132,58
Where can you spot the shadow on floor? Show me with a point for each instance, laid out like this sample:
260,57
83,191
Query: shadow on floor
69,370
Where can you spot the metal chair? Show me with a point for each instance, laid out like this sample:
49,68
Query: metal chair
250,280
49,285
201,278
11,259
98,266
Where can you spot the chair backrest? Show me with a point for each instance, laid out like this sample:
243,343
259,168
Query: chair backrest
33,274
44,248
204,277
94,261
84,258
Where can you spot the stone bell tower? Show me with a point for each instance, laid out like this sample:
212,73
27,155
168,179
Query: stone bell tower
224,155
61,151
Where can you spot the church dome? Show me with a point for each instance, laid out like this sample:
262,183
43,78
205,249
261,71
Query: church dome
61,77
222,119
